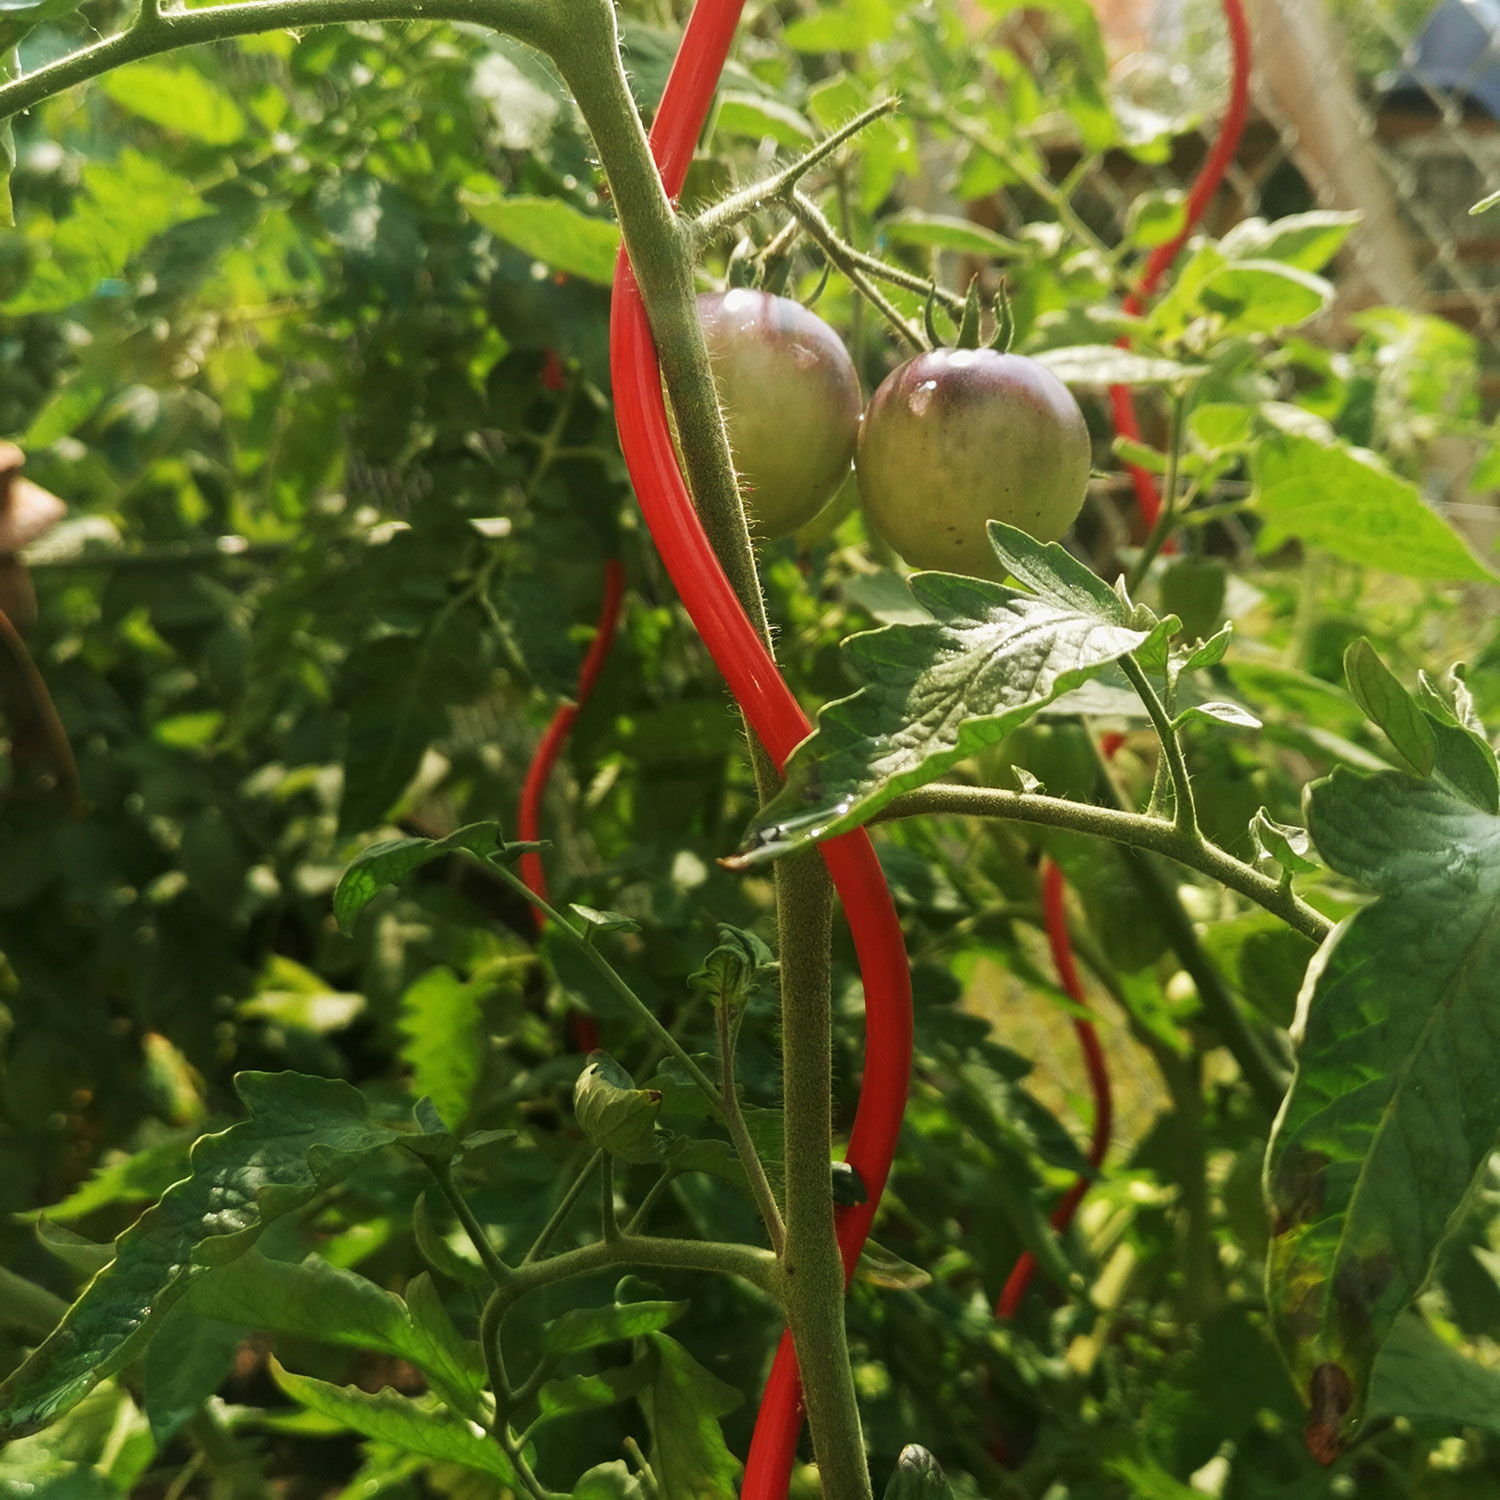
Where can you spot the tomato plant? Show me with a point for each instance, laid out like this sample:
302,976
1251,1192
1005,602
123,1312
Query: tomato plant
352,348
956,438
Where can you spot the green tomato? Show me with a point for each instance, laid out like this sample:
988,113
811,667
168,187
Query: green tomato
791,404
958,437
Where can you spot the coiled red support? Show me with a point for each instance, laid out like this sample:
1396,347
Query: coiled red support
585,1030
773,713
1055,917
1210,178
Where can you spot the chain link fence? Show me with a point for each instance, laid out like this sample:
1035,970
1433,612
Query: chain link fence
1388,108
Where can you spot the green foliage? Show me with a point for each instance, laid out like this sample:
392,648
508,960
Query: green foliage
303,1134
937,693
615,1115
403,1423
276,318
1395,1108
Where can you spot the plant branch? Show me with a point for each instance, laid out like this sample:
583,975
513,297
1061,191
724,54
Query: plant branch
1135,830
1184,808
560,1214
729,211
739,1133
814,1271
612,977
747,1262
660,246
442,1174
653,1195
828,239
155,32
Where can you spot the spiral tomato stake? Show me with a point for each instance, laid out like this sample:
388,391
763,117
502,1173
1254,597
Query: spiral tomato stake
1208,182
585,1030
772,711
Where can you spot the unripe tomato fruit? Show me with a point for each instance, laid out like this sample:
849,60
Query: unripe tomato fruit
958,437
791,404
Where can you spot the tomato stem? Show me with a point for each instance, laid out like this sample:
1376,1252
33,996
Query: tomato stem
729,211
739,1132
814,1282
154,32
1170,514
442,1173
1185,808
1120,826
829,241
559,1215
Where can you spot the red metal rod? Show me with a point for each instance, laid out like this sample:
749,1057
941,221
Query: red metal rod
1210,178
585,1030
773,712
1055,915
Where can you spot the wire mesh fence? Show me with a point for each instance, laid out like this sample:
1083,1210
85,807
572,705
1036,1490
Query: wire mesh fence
1387,108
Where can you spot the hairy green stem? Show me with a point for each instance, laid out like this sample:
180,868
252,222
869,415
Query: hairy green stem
832,244
442,1173
155,32
1184,809
729,211
813,1269
660,244
739,1132
559,1215
1136,830
613,978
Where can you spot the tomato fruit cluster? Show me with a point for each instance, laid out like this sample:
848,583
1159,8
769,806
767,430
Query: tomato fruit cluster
951,439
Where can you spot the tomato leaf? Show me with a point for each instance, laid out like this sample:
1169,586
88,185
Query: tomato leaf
319,1301
389,1418
936,692
1104,364
1355,508
683,1403
918,1476
178,98
440,1021
302,1135
1289,847
583,1328
1389,705
611,1481
1395,1106
390,862
1420,1377
551,231
614,1114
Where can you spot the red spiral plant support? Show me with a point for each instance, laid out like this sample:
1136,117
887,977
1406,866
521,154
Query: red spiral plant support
585,1030
773,713
1210,178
